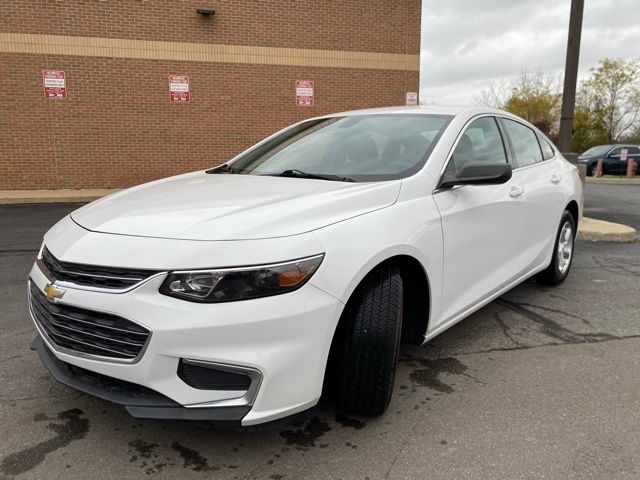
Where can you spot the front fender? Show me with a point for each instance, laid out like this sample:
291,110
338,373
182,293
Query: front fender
355,247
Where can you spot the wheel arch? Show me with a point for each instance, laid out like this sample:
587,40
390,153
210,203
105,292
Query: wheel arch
416,301
417,294
574,210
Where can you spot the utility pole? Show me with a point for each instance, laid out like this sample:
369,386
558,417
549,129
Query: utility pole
570,80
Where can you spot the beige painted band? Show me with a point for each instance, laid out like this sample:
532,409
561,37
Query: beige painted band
202,52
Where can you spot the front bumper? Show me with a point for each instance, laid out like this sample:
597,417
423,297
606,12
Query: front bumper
140,402
286,338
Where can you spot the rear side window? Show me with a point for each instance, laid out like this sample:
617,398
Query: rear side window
630,151
547,149
525,143
481,142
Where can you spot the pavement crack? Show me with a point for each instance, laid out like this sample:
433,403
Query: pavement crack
541,345
10,358
398,453
506,331
550,327
556,310
612,265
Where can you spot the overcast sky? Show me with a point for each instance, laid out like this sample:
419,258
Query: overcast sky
469,43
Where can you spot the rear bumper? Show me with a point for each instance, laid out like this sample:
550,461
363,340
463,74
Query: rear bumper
139,401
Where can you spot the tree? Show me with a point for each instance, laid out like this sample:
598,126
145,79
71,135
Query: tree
587,128
607,104
494,94
536,98
532,96
611,98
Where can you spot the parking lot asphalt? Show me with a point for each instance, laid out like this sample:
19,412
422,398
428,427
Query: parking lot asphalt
613,203
542,383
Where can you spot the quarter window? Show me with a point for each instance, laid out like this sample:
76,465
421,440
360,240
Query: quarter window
547,149
481,142
525,144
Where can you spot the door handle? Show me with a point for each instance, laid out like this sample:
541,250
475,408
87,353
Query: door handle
516,191
555,178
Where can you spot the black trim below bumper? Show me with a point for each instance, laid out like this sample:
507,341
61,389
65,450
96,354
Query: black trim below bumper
140,402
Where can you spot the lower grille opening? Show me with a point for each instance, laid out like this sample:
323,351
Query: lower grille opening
113,385
205,378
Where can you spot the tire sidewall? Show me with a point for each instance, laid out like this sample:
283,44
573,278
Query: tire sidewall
566,217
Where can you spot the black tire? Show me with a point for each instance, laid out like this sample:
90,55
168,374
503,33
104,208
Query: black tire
554,274
369,344
590,170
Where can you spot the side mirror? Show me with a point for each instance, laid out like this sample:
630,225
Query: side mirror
478,173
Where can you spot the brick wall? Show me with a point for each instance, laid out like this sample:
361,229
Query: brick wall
117,127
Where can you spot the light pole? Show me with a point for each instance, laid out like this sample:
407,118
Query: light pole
570,80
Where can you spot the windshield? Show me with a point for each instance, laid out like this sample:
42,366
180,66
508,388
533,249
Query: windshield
354,148
601,150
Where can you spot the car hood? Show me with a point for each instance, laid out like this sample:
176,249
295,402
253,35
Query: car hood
200,206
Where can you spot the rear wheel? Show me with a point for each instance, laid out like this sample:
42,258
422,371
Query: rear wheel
369,343
560,264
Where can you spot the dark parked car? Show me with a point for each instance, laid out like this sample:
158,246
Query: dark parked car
612,158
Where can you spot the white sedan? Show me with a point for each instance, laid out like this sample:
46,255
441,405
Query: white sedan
242,292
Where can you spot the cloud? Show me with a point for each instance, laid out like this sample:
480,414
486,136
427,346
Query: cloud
467,44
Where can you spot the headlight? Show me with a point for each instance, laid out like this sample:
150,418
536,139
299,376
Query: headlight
242,283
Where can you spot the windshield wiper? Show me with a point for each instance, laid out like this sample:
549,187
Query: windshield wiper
224,168
300,174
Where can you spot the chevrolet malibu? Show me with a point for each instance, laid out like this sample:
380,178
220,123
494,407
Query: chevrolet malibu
245,292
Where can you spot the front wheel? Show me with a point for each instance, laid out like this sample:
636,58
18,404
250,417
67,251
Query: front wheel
590,170
560,264
370,343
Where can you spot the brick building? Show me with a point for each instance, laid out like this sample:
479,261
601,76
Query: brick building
117,127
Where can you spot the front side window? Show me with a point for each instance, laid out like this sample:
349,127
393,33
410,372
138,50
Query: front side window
600,150
480,142
616,152
525,144
360,148
633,150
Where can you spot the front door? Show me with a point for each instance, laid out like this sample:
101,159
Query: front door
484,226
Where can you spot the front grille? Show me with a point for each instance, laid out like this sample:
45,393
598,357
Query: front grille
87,331
92,275
205,378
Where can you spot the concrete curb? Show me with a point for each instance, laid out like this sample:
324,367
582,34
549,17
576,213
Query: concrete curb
593,230
53,196
614,180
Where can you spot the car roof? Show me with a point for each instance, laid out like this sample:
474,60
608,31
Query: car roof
614,145
417,109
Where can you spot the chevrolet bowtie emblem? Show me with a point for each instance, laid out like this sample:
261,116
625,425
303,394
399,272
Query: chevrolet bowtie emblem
53,292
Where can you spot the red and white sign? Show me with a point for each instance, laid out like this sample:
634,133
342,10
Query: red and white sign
623,154
54,83
304,93
179,88
411,98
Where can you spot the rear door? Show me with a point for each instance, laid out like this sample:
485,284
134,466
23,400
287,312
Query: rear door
484,226
539,170
633,153
614,163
